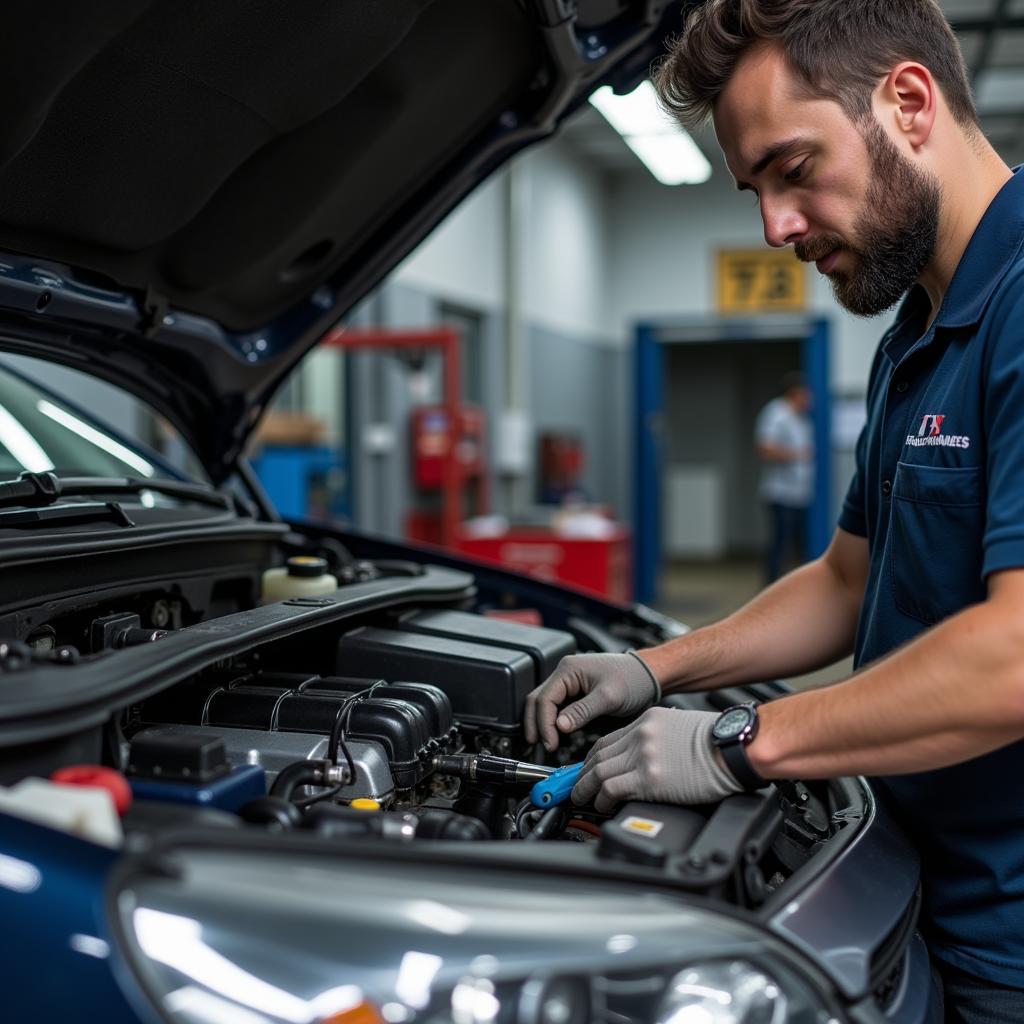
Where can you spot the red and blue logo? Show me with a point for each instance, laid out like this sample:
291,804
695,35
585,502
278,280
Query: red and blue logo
930,434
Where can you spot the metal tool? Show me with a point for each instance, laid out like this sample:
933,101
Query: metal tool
557,787
488,768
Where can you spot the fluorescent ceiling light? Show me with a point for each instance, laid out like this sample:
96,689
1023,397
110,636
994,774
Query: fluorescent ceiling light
83,430
672,159
23,447
668,152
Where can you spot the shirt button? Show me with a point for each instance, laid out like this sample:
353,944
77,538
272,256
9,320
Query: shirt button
887,487
901,388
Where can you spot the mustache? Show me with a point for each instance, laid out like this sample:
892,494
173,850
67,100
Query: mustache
816,249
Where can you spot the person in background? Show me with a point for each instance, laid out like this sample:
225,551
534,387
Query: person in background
785,445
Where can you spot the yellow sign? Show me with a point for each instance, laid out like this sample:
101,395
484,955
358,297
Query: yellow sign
761,281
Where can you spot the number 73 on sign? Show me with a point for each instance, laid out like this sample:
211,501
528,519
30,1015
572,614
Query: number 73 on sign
760,281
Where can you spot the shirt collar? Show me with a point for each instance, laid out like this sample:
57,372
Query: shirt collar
905,332
993,247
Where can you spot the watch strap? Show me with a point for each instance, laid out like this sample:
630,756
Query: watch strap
736,760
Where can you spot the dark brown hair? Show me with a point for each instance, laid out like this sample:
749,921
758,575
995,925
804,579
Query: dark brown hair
839,48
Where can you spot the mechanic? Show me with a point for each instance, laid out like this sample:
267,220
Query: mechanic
852,123
785,445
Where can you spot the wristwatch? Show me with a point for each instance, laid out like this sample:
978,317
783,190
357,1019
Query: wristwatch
734,728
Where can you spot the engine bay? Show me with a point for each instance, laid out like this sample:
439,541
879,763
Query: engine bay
391,710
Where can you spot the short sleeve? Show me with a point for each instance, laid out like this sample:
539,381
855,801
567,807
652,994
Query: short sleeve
768,429
1003,543
853,515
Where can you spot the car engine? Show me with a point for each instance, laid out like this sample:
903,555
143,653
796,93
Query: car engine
407,689
415,732
390,709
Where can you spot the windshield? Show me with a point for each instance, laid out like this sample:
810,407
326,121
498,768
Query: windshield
41,432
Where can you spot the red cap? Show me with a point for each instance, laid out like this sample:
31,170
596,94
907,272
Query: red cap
97,776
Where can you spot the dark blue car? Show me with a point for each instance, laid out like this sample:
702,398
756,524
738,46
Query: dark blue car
268,772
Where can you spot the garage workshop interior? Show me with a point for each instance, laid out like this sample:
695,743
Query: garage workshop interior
365,365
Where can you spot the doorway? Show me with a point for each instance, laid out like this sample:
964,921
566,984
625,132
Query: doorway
699,387
713,394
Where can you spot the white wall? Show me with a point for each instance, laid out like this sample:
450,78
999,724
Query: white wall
464,259
565,250
568,244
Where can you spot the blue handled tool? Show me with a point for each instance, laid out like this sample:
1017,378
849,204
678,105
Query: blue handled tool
555,789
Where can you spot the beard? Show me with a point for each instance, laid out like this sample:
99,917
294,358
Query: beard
895,234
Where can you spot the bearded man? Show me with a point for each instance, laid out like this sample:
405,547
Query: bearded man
852,123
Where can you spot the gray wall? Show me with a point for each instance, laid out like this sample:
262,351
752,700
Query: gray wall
713,394
582,387
575,384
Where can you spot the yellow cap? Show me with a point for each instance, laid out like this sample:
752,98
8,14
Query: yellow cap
365,803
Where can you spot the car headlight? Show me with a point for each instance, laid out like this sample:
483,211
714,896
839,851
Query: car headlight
726,992
220,940
723,993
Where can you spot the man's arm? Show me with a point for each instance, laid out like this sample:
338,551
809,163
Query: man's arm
954,693
772,452
805,621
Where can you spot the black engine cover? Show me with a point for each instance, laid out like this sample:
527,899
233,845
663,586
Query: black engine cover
411,721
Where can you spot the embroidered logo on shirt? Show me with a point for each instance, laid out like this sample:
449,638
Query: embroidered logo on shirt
930,434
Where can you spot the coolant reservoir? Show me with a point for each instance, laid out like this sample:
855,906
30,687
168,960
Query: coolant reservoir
301,576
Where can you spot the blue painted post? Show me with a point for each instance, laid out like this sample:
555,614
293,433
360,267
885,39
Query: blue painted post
816,360
649,381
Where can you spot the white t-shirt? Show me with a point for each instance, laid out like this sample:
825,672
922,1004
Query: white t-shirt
787,483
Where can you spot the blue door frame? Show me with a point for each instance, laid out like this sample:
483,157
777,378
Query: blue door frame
649,428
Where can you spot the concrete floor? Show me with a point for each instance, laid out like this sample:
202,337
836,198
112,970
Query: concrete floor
698,593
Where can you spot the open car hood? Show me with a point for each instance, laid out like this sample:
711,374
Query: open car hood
192,193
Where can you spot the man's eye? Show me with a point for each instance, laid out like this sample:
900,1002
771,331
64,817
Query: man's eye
797,172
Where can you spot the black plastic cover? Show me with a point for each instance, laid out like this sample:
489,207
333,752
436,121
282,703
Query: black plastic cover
487,684
645,833
397,726
172,757
546,647
432,702
410,721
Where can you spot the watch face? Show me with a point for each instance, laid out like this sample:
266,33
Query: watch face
732,723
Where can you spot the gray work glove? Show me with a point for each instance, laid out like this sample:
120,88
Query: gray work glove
666,756
607,684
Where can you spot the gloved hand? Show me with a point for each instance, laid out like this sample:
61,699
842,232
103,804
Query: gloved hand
610,684
666,755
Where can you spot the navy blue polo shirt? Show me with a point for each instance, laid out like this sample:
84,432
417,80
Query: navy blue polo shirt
939,494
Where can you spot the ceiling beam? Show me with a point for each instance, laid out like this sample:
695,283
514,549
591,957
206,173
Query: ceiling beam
984,24
1000,16
1000,116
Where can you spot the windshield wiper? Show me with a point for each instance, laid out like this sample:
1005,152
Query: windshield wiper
34,490
63,515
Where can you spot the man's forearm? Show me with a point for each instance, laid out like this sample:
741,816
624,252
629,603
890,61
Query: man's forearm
954,693
781,453
805,621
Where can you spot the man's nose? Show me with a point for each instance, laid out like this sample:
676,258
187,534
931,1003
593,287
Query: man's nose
784,224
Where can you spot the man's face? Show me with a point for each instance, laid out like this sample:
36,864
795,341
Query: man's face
842,195
801,399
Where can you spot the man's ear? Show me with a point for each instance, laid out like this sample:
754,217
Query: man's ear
911,97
